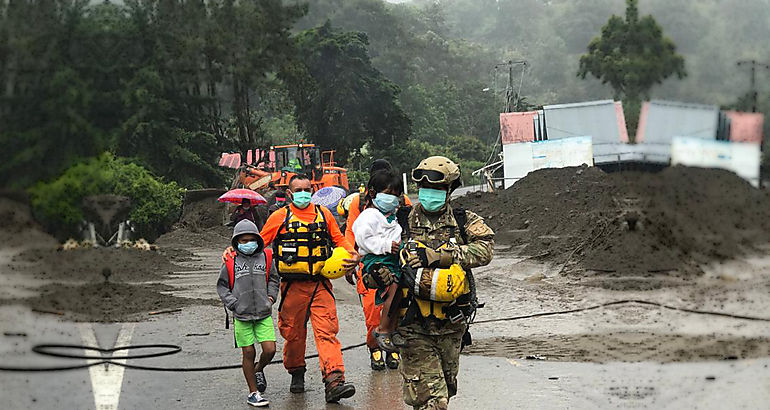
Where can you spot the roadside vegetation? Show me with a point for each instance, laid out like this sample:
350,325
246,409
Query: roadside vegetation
169,85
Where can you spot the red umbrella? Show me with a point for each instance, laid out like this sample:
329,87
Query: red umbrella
236,196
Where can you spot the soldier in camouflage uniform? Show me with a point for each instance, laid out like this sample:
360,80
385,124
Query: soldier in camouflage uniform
430,344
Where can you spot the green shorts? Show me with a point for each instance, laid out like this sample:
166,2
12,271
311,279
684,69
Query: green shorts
254,331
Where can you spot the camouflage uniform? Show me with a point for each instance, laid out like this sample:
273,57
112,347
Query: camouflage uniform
430,356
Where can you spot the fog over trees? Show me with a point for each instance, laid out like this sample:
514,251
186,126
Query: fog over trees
170,84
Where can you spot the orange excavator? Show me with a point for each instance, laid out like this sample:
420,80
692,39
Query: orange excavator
274,167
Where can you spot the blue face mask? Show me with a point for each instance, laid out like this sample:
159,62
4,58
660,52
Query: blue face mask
386,203
301,199
248,248
432,199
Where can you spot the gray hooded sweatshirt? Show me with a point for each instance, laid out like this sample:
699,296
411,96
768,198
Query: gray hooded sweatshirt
248,300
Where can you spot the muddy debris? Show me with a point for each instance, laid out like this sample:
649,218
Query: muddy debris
202,214
103,302
202,225
18,227
177,242
624,347
628,223
87,264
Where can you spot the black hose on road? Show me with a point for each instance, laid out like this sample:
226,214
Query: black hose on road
624,302
45,349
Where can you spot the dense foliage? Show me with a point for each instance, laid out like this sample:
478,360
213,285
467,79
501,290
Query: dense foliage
172,83
155,204
341,100
430,47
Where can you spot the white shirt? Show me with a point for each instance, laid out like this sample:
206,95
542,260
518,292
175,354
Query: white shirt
374,234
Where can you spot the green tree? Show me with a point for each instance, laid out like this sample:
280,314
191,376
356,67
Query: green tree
632,55
46,98
155,204
341,100
158,140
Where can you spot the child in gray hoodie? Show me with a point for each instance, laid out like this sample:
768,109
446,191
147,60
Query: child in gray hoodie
248,286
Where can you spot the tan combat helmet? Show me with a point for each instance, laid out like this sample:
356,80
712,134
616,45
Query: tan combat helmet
438,170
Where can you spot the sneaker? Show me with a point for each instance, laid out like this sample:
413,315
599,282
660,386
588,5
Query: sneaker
337,390
376,358
392,360
261,381
297,382
256,400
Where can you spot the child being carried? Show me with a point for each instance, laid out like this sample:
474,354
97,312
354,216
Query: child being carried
378,236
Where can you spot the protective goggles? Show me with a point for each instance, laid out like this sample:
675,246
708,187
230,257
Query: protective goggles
434,177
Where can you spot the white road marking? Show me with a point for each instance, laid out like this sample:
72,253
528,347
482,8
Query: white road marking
106,380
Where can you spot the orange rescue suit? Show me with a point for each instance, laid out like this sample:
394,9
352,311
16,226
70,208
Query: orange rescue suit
303,300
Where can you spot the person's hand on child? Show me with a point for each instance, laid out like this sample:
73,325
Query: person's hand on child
395,247
351,277
351,264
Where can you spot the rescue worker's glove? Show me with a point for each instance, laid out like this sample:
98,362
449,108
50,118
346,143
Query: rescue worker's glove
377,277
429,258
408,273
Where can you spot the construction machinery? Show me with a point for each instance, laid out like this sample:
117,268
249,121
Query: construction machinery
279,163
267,170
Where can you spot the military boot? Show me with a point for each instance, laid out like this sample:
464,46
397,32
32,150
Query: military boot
297,381
336,388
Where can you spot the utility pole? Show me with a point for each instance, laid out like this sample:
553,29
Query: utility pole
753,64
511,96
512,99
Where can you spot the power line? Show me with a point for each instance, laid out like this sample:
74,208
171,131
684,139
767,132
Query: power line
512,98
753,65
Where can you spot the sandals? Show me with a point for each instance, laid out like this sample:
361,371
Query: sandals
384,341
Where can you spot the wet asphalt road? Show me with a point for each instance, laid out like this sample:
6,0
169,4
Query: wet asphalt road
485,382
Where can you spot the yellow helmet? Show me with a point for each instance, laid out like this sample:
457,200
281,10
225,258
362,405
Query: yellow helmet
441,285
332,268
438,170
438,285
344,206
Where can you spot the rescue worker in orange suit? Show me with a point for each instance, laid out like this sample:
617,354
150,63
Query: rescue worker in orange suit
302,235
379,359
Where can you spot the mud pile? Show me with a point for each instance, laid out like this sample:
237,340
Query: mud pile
94,284
201,214
88,265
201,225
18,228
628,223
91,284
104,302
